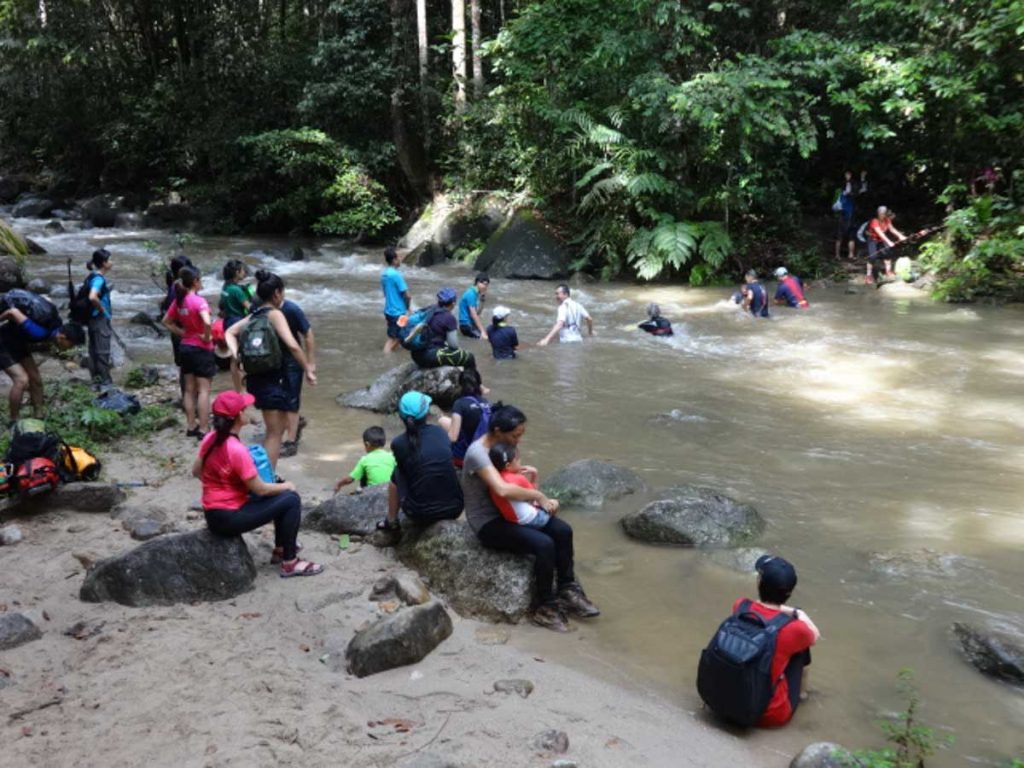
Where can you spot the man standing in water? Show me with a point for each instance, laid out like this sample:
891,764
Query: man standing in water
753,296
570,316
791,290
470,305
396,297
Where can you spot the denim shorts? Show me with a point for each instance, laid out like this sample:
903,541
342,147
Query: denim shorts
293,376
270,390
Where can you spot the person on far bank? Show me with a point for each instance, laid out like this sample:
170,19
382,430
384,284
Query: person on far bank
879,242
424,484
470,306
571,316
376,467
502,336
100,330
790,291
655,324
188,318
846,228
776,580
235,499
397,301
752,295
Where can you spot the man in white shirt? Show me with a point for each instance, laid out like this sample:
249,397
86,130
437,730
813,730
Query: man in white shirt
571,315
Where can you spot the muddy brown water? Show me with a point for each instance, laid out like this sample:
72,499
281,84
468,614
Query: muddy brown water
876,422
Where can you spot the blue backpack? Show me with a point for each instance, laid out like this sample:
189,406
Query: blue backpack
263,468
416,336
461,445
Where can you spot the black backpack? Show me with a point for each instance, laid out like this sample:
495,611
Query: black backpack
734,677
79,306
31,440
37,309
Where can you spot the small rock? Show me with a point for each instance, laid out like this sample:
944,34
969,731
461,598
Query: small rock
10,535
695,517
403,638
589,483
17,629
994,654
552,741
821,754
145,529
522,688
86,559
406,588
492,635
53,227
40,286
355,514
563,764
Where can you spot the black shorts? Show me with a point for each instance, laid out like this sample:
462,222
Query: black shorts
293,376
13,346
270,390
394,332
195,361
794,673
469,330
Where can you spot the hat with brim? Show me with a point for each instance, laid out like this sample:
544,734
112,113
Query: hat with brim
776,572
229,404
501,312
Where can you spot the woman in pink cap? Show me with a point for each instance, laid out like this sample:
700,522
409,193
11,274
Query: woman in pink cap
229,476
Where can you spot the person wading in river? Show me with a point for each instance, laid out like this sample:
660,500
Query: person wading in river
396,297
571,315
470,306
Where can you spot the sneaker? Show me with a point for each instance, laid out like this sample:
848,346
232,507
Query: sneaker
194,433
289,449
575,601
550,617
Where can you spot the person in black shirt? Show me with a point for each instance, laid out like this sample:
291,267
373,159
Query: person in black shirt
424,484
656,325
443,337
503,337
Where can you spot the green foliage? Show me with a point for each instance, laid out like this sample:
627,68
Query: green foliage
136,378
363,206
12,243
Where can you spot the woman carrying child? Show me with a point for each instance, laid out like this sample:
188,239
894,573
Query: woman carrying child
188,318
235,499
551,545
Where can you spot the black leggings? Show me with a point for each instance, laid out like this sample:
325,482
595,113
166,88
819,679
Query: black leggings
551,547
439,356
284,509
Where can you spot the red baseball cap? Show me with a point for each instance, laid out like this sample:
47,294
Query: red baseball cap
232,403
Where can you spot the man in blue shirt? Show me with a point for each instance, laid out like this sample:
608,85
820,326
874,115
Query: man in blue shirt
470,323
396,297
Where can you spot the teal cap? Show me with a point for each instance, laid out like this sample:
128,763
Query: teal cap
414,404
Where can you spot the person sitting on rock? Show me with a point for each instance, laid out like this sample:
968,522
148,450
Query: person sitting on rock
16,334
376,467
790,291
443,337
424,484
235,499
505,458
471,414
776,580
502,336
551,546
655,324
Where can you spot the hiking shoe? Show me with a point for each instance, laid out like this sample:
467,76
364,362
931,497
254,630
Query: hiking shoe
289,449
575,601
550,617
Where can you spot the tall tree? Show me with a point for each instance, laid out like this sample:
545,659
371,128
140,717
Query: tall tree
477,43
424,61
459,53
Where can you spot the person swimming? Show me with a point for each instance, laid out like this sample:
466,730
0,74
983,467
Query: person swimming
655,324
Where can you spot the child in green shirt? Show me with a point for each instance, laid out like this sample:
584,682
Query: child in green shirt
376,466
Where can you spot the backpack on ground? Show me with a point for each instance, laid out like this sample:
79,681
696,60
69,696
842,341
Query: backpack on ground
40,311
260,349
30,440
77,464
862,231
734,677
35,476
416,336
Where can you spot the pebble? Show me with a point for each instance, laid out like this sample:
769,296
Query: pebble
563,764
492,635
10,535
145,529
552,741
522,687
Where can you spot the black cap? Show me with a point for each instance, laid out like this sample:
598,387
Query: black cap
776,573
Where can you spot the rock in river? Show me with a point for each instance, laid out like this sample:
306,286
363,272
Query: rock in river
588,483
991,653
356,513
820,754
399,639
695,517
181,568
17,629
442,384
524,247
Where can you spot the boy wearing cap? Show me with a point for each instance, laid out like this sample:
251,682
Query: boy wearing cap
470,304
790,291
776,579
503,337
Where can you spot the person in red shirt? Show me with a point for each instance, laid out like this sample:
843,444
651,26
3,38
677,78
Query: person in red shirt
879,241
776,579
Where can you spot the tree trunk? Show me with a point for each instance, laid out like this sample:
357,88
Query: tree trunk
478,41
411,157
424,61
459,53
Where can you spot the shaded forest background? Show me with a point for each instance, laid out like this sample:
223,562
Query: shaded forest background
661,138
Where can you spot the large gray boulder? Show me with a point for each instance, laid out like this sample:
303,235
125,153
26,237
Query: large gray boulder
524,247
449,227
11,274
103,210
589,483
821,754
33,207
86,497
356,513
476,581
382,396
399,639
17,629
183,568
994,654
695,517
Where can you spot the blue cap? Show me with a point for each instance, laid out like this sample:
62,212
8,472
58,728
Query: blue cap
446,296
414,405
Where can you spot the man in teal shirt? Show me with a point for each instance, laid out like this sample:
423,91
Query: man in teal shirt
470,323
396,297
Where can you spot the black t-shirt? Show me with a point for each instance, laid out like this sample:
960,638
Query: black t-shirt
427,483
470,409
438,327
504,341
657,326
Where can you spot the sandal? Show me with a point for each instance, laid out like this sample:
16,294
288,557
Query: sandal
300,568
194,432
277,555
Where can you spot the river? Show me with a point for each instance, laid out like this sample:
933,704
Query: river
872,423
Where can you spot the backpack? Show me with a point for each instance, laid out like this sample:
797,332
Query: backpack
30,440
461,445
862,231
77,464
260,349
36,476
734,676
37,309
262,461
118,401
416,336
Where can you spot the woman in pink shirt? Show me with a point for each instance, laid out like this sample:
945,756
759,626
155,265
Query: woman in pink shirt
188,318
235,499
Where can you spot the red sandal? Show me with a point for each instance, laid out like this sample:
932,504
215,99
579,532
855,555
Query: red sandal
300,568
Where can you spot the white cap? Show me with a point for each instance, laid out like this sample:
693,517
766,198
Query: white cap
500,312
781,272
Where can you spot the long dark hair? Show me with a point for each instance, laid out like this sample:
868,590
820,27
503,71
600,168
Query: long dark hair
412,431
470,382
232,269
505,418
188,277
267,284
222,426
99,259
